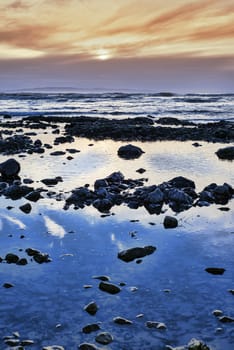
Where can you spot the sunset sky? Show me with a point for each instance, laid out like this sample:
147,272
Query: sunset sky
173,45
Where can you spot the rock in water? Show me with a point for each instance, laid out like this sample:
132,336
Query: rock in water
91,308
26,208
215,270
170,222
109,288
129,152
104,338
226,153
135,253
10,168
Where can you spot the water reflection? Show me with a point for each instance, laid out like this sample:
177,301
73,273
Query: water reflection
53,227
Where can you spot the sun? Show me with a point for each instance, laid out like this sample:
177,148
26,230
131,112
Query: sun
103,54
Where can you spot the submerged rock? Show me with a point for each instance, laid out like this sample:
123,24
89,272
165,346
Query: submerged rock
156,325
89,328
129,152
135,253
104,338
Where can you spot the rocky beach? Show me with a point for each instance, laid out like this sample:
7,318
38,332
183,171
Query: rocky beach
116,233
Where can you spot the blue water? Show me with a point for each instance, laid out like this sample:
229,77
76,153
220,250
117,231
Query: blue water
193,107
170,286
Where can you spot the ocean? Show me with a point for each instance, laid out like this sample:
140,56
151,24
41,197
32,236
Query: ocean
192,107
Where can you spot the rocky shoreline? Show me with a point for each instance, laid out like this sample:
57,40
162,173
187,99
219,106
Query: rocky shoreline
130,129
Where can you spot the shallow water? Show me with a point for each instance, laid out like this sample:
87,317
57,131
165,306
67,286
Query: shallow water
171,285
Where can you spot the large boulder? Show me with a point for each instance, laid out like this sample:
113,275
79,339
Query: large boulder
226,153
10,168
129,152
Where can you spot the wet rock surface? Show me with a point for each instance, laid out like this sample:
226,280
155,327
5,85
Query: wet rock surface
135,253
109,287
226,153
129,152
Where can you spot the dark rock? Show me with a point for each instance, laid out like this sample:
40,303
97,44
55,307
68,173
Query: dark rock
17,191
90,328
104,338
12,342
122,321
226,153
10,168
135,253
87,346
215,270
226,319
231,291
91,308
8,285
103,205
22,262
57,153
129,152
27,342
32,252
156,325
109,288
63,139
170,222
52,181
11,258
156,196
140,170
41,258
26,208
181,182
34,196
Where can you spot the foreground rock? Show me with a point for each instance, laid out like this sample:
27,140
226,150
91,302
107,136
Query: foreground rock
136,253
10,168
129,152
178,193
226,153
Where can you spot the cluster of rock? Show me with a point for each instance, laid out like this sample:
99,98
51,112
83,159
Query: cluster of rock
37,256
149,129
178,193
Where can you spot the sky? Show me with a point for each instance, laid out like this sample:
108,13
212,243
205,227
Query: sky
150,45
